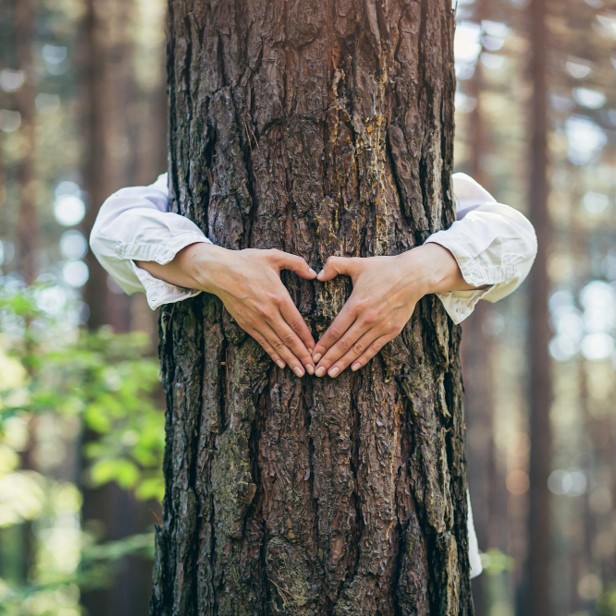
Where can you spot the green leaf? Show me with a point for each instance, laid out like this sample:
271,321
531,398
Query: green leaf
123,472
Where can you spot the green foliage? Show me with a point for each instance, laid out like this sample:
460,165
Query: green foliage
59,379
106,379
606,603
496,562
94,569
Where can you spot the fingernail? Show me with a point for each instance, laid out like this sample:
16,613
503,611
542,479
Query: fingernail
299,372
310,369
320,371
310,351
355,366
312,271
316,358
321,272
281,364
334,372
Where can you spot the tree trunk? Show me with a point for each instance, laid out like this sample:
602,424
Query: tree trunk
477,352
24,18
109,512
27,218
539,369
319,132
97,172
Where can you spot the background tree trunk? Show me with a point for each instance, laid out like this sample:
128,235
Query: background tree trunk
109,512
27,221
478,362
24,18
319,131
537,580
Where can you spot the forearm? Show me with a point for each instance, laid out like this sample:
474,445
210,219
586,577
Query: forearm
193,267
438,268
248,284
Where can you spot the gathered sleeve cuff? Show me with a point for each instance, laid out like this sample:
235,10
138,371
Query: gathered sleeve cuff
134,225
494,245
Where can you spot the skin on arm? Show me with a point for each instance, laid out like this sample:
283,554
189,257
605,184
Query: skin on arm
385,293
248,283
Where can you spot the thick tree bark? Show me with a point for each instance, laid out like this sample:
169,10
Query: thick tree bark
320,129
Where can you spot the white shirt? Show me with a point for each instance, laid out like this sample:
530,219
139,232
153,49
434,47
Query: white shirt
492,243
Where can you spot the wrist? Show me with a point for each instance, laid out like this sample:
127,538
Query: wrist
434,268
204,264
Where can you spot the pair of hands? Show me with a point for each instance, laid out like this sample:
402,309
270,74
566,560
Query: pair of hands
385,293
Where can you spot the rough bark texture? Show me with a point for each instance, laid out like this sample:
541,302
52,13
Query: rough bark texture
320,129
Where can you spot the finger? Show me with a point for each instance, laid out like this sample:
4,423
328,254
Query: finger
334,266
268,348
294,263
335,331
280,347
296,322
355,342
293,344
372,350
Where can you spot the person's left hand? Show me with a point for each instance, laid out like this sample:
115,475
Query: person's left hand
385,293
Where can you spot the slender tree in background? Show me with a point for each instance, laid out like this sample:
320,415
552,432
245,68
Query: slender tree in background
537,581
318,129
27,225
485,476
97,176
27,218
110,512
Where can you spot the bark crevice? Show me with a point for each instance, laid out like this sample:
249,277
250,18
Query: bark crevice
320,130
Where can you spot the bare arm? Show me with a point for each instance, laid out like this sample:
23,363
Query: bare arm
385,293
248,283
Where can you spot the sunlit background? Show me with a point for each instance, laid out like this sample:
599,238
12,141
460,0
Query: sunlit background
83,113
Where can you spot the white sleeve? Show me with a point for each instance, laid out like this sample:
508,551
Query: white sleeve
134,225
493,244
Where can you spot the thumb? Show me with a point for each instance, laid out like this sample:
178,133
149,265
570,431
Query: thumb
294,263
334,266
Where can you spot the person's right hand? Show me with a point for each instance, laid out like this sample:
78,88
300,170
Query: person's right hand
248,283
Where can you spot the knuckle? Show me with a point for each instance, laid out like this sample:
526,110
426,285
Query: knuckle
345,344
276,299
288,339
273,255
391,328
265,312
360,305
358,348
376,347
296,326
370,317
330,261
335,331
397,329
278,344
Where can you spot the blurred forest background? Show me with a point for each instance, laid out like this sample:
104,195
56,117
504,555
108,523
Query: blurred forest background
83,113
